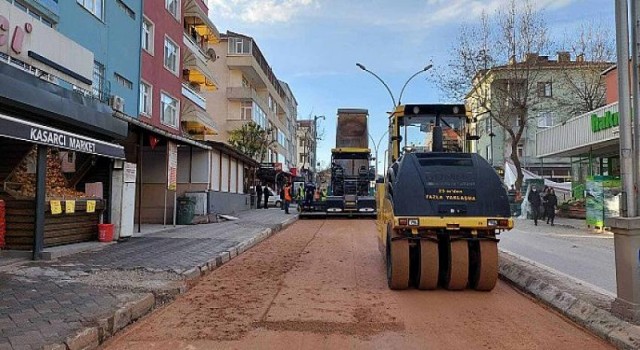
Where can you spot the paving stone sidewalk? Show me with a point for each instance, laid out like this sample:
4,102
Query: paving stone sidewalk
80,300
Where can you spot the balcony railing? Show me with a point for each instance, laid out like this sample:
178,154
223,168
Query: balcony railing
193,96
200,50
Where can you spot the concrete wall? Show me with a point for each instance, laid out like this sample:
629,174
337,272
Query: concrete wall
228,203
114,41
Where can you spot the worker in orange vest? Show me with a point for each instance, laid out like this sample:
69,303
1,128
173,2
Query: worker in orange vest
287,197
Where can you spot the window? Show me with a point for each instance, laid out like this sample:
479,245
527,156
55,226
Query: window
272,104
169,112
245,110
126,9
546,119
520,151
282,139
303,158
147,35
171,55
98,85
303,143
172,6
487,125
545,89
489,158
123,81
259,116
93,6
145,99
239,46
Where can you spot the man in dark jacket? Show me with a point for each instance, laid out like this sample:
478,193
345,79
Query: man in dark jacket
534,201
267,193
552,203
258,195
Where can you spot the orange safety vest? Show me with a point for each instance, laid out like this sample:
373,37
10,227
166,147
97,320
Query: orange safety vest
287,193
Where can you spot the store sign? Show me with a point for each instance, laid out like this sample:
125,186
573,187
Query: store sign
23,130
607,121
172,166
17,40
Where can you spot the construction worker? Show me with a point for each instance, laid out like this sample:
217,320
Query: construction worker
287,197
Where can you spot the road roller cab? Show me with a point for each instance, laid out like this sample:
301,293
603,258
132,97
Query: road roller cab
439,212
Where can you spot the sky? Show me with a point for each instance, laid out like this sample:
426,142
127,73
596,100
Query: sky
314,45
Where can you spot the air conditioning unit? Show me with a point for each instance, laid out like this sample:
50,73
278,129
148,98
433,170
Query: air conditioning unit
117,103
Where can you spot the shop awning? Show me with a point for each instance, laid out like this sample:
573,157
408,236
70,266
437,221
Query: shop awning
149,127
196,121
199,73
23,130
200,21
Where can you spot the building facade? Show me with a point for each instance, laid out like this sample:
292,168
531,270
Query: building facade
306,135
109,30
547,88
60,166
250,91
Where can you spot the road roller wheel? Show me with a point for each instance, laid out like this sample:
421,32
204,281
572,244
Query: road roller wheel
429,265
398,264
458,269
485,274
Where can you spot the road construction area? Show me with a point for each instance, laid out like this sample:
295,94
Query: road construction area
321,284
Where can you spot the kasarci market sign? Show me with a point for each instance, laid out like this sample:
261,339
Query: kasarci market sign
607,121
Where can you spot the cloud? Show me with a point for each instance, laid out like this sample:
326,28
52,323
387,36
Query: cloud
448,10
260,11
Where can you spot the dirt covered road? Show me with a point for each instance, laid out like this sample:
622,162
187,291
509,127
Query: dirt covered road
321,285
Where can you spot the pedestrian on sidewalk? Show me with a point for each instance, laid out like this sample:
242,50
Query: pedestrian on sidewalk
282,198
267,193
534,201
545,196
258,194
552,203
287,197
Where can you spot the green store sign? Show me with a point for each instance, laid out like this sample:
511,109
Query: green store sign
607,121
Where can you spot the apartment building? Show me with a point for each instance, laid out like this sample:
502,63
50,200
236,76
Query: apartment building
541,88
250,91
306,135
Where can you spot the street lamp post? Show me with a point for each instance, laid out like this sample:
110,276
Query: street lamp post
315,143
393,99
376,147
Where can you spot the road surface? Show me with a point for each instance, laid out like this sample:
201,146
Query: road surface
578,253
321,285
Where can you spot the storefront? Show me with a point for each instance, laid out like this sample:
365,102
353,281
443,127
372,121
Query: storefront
61,168
58,161
592,142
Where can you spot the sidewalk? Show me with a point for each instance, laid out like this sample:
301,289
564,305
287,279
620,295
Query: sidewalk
82,299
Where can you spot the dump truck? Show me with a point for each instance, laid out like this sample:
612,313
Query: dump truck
349,192
440,210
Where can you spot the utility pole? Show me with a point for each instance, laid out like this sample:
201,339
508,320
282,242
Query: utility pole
315,143
626,228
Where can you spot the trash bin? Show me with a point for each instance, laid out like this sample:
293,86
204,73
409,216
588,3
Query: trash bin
186,210
105,232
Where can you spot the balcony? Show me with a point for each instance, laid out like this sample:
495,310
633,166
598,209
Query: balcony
247,94
193,96
195,61
198,24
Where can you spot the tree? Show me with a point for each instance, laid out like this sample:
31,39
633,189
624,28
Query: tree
500,54
252,140
594,49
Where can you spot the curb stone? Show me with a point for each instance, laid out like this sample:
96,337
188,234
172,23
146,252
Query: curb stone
601,322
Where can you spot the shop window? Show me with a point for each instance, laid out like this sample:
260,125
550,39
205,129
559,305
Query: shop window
145,99
171,55
147,35
169,112
93,6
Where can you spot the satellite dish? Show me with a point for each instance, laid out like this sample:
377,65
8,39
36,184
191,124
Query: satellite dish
211,53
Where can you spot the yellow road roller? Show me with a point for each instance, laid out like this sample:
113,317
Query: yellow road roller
440,210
